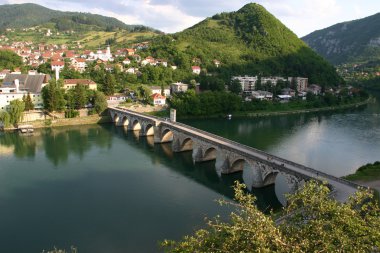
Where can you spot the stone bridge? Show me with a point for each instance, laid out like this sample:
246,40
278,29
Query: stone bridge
230,156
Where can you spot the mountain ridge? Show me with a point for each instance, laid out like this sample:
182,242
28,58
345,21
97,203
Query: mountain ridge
347,42
30,14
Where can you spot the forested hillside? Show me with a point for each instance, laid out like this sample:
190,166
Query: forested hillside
29,15
249,41
353,41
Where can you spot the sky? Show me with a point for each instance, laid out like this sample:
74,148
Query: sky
300,16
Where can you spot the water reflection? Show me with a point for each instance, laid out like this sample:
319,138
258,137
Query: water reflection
204,173
57,143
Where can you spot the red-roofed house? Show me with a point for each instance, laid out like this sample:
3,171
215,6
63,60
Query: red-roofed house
158,99
57,65
196,69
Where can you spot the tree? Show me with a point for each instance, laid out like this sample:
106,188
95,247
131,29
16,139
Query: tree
53,96
100,102
5,118
235,87
314,223
28,102
15,109
109,84
81,98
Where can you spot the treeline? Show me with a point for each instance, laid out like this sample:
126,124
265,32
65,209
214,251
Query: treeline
222,103
373,83
9,60
56,99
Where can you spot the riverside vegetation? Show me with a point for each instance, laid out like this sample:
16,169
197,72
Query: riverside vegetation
313,223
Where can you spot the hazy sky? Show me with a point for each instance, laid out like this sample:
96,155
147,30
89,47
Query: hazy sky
301,16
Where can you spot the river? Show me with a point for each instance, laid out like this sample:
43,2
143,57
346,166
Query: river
104,189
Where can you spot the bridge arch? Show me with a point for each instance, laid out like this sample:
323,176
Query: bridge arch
149,129
125,121
237,165
136,126
116,118
167,135
187,144
210,154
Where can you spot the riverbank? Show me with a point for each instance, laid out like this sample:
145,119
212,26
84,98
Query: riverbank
271,113
86,120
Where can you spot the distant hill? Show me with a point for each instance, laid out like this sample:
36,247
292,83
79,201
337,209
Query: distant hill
248,41
29,15
353,41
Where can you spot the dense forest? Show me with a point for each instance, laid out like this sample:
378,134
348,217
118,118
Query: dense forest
249,41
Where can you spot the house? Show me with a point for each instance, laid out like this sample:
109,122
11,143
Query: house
131,70
196,70
315,89
158,99
57,65
262,95
300,82
149,60
216,63
79,64
72,83
284,98
157,89
179,87
288,91
126,61
162,62
4,72
15,86
130,51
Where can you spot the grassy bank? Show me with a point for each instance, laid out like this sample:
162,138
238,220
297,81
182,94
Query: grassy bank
367,172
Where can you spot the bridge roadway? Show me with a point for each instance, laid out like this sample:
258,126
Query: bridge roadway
342,189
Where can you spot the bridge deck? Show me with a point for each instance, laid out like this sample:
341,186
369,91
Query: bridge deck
342,188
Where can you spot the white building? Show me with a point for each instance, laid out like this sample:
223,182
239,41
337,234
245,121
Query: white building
15,86
179,87
157,89
104,56
248,83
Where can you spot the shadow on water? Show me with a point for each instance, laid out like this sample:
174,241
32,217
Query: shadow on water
203,173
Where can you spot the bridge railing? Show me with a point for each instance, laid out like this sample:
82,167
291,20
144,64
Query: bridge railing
273,157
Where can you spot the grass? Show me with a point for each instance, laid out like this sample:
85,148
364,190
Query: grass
367,172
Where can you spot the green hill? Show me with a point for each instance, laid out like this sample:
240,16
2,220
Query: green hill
29,15
248,41
348,42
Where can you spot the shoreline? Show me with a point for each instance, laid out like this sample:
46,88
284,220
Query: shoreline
87,120
96,119
280,113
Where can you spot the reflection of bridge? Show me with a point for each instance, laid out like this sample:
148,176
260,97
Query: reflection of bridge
230,156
